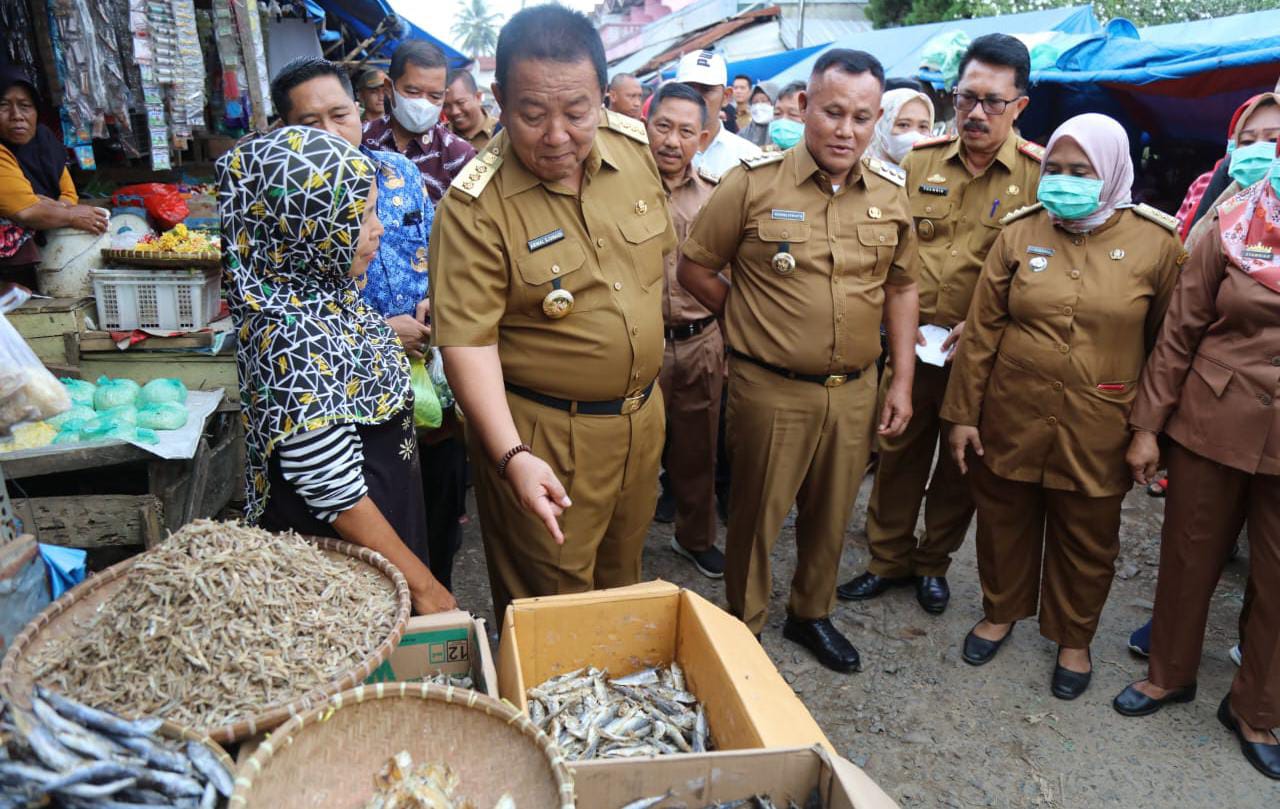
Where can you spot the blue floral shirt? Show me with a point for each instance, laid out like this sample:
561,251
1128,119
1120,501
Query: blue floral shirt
397,277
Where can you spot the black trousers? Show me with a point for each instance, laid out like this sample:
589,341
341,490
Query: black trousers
444,489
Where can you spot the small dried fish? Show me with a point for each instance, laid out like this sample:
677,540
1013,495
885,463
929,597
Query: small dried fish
400,785
455,680
752,802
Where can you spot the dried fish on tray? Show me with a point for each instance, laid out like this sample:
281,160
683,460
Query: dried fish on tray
400,785
753,802
220,622
83,758
647,713
455,680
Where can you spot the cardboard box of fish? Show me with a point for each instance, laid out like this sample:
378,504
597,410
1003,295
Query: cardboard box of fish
447,648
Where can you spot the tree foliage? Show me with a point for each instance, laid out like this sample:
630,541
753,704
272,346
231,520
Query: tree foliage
892,13
476,29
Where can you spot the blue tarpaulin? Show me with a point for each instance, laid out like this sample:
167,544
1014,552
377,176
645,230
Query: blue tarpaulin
765,67
363,16
899,49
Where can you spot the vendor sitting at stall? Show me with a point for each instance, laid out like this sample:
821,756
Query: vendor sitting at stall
36,192
325,391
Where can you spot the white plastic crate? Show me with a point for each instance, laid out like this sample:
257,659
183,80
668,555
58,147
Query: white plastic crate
172,300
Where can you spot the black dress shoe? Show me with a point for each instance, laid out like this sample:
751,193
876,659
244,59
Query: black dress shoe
1265,758
832,649
979,651
1132,702
933,593
868,585
1068,684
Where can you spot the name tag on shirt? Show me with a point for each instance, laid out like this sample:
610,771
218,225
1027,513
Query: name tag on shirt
794,216
539,242
1039,251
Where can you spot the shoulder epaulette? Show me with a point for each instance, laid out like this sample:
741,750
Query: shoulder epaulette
708,176
762,159
1025,210
476,174
1032,150
893,174
626,125
938,141
1158,216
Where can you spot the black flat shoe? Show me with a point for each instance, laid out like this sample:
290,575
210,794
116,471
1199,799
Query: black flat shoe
1068,684
933,593
821,637
1265,758
868,585
979,651
1132,702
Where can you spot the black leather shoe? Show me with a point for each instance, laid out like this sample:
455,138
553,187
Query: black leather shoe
933,593
1068,684
1265,758
1132,702
868,585
821,637
979,651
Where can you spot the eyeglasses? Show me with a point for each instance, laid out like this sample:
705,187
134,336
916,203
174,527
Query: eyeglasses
991,106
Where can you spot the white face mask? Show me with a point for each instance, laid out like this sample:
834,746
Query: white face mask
415,114
899,144
761,113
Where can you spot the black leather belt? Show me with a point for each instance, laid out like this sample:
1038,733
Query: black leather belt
614,407
827,380
686,330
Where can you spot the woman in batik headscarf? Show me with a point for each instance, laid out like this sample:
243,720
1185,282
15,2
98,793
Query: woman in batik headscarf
1210,387
325,393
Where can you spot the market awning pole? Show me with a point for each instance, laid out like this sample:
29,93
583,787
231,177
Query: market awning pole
800,30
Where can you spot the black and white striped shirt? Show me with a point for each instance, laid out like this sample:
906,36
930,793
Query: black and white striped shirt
326,468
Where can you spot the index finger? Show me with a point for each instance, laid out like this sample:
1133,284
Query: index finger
542,507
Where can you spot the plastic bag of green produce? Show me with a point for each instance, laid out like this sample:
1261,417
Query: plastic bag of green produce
104,428
80,391
146,436
125,413
162,416
67,437
426,406
115,393
78,412
163,390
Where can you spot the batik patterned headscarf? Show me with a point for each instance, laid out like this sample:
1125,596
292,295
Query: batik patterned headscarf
1250,226
310,354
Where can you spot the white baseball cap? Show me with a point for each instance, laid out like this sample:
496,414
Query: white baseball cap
703,67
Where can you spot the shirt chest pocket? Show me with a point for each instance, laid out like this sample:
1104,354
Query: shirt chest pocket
878,243
643,235
784,236
557,266
931,214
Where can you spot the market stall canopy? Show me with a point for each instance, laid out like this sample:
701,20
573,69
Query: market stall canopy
363,17
708,37
762,68
900,49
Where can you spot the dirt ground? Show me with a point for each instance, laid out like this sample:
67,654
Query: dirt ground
935,732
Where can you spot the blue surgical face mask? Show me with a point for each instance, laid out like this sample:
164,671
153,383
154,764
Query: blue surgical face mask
1068,197
1249,164
785,132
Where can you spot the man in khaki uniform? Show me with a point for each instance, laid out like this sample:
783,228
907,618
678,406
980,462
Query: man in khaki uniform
693,364
467,116
546,266
822,252
960,187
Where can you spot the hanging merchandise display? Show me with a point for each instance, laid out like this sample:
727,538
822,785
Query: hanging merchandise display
18,44
248,16
235,78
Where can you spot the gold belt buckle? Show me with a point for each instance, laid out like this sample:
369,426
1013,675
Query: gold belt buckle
836,380
632,403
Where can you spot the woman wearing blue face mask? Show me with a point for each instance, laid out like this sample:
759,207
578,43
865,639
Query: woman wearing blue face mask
1068,305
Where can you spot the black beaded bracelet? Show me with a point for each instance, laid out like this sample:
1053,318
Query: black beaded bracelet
508,455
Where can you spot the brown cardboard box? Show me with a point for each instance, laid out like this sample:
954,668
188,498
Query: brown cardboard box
748,703
699,780
451,642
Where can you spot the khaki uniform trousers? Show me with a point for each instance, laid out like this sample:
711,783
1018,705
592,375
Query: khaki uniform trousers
692,382
1077,538
1206,506
902,481
609,467
792,441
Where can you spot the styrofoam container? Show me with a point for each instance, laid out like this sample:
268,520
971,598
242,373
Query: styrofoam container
69,255
168,300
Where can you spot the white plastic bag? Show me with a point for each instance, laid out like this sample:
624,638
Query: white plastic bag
28,392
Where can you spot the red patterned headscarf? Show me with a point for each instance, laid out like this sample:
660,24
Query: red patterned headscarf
1250,226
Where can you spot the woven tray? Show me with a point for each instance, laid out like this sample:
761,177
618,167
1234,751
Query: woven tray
62,618
162,260
331,755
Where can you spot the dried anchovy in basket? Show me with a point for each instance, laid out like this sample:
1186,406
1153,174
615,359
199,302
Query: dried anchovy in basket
400,785
220,622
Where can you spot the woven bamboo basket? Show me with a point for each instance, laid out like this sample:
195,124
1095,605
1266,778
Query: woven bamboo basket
163,259
64,616
328,757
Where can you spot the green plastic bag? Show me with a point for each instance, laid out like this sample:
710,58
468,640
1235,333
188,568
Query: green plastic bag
67,437
115,393
104,428
158,391
943,53
80,391
78,412
426,405
162,416
128,414
146,436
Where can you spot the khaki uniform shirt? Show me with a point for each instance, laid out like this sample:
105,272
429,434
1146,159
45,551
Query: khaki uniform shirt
686,201
482,136
503,239
1049,360
958,216
824,316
